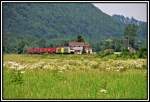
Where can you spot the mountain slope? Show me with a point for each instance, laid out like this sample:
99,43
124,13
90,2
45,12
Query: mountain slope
54,23
124,21
57,19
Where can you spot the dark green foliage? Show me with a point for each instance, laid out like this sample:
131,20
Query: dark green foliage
142,53
21,46
41,42
112,43
125,54
124,21
117,45
80,39
131,32
53,24
105,53
17,77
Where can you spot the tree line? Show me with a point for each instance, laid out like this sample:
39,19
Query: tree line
22,43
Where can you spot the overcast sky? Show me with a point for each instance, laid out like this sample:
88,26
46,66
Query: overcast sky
136,10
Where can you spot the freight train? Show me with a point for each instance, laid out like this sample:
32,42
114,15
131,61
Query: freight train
50,50
73,47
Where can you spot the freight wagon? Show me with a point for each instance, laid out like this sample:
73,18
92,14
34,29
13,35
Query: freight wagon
59,50
41,50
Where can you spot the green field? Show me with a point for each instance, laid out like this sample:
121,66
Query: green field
73,77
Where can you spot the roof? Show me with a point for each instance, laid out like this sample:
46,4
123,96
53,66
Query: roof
77,44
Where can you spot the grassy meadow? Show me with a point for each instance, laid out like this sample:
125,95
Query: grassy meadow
73,77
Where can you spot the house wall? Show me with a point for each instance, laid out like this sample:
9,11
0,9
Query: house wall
78,48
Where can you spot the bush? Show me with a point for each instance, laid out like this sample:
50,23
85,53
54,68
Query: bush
142,53
127,54
106,52
17,77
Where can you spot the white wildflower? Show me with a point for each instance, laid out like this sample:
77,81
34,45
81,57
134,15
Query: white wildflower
22,72
65,81
4,64
103,91
121,67
108,68
60,71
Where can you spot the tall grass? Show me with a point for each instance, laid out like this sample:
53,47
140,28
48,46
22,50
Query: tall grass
84,83
46,84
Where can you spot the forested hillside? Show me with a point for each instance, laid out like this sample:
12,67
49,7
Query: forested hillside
53,24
